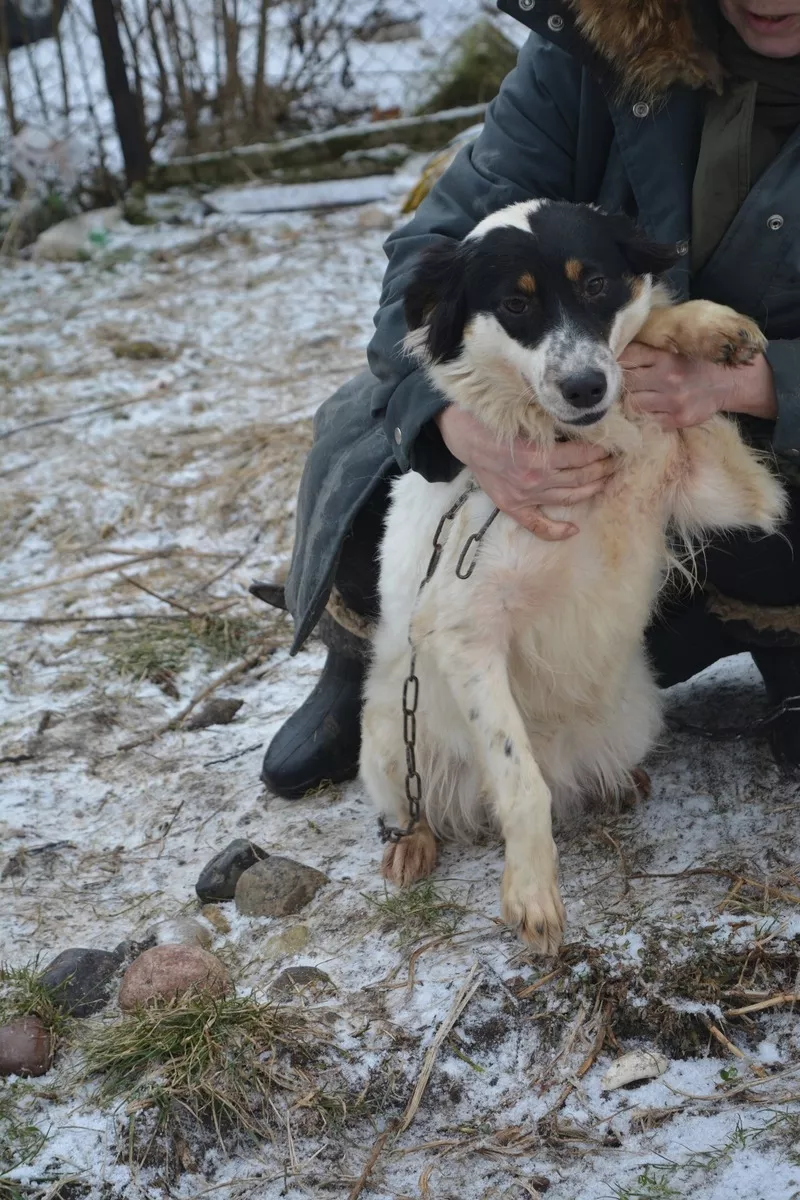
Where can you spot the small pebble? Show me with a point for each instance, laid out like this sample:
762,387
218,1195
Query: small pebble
298,979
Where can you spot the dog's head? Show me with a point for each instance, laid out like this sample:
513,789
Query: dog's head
531,310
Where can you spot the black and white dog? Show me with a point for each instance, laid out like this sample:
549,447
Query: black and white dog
534,688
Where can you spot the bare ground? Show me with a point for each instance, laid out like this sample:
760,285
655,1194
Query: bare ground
204,352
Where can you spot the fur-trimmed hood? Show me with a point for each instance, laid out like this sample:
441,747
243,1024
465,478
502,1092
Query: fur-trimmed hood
648,45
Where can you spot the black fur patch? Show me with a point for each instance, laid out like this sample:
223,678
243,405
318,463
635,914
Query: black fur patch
455,281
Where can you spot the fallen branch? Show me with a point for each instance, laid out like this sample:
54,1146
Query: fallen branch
771,1002
240,668
461,1001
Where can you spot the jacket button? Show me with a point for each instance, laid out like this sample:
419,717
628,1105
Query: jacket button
641,109
555,23
682,248
775,222
526,5
398,435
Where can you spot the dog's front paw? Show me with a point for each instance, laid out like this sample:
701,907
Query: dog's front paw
534,909
412,858
703,330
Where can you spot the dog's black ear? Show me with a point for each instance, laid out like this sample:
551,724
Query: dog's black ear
643,256
437,296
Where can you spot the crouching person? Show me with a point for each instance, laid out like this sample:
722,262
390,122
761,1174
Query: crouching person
688,126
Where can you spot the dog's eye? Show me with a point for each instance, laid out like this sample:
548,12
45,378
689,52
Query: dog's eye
516,305
595,286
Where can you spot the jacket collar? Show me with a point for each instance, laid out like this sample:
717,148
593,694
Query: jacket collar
635,47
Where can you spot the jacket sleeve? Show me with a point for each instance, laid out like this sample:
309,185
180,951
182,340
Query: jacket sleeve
784,358
526,150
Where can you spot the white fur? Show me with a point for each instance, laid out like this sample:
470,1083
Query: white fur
515,215
534,686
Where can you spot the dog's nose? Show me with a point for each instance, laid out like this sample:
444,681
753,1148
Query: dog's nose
584,389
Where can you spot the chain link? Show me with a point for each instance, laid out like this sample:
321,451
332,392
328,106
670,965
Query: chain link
413,782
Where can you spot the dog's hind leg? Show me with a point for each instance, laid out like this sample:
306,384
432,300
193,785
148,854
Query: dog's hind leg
383,771
478,677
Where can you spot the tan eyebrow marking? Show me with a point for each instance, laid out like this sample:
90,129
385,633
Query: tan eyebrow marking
573,269
526,283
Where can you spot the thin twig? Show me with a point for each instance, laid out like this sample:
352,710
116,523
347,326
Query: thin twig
369,1165
81,412
734,1050
78,575
534,987
163,599
240,668
212,762
87,617
467,991
734,1091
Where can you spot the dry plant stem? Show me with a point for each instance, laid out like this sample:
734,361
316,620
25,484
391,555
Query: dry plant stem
774,893
369,1165
737,1091
244,665
771,1002
461,1001
729,1046
78,575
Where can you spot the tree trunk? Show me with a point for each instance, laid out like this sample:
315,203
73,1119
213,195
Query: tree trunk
260,83
127,116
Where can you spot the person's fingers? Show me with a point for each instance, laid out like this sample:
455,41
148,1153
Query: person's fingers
571,496
546,529
637,354
578,478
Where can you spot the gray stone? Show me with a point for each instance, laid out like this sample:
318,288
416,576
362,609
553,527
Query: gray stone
300,978
79,980
277,888
25,1047
219,877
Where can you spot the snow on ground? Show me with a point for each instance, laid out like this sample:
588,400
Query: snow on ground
182,479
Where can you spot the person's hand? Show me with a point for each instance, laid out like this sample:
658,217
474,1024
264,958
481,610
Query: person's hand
679,392
518,478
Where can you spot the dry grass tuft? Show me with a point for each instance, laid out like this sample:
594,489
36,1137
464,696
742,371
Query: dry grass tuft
233,1069
159,652
23,995
419,911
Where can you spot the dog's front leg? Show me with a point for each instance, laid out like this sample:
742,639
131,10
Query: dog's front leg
478,677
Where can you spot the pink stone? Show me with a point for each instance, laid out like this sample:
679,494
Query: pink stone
168,971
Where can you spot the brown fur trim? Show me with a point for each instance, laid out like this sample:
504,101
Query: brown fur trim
353,622
764,618
652,44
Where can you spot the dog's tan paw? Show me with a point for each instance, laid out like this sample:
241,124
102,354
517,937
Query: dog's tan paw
640,789
535,910
703,330
412,858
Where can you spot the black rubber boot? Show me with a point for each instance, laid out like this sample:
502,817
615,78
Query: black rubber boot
321,742
780,670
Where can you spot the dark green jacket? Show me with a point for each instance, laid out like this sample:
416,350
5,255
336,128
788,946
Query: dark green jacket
566,125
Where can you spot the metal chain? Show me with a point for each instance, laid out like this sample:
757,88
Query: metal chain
395,833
